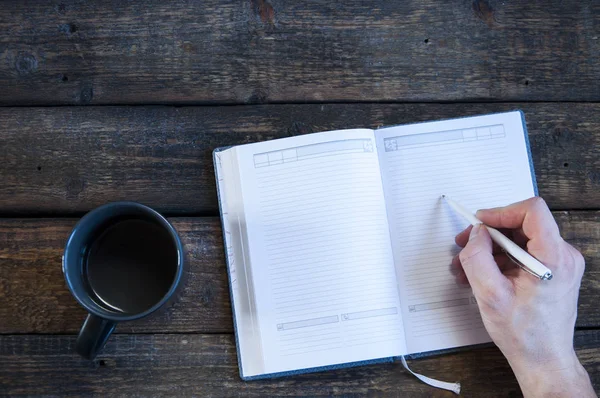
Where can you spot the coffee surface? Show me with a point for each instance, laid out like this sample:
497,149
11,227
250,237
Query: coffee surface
131,266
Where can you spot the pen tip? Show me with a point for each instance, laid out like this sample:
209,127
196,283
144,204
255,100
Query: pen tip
443,196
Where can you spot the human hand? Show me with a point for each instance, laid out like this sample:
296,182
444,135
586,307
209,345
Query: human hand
531,321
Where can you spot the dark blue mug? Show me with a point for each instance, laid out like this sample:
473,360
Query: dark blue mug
122,262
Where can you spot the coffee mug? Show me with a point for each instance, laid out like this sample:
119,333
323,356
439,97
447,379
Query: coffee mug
122,262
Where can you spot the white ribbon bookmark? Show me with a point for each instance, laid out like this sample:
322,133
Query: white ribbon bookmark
454,387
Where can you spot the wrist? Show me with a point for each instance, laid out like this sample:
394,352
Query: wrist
564,376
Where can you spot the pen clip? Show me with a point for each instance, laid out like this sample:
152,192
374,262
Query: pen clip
547,276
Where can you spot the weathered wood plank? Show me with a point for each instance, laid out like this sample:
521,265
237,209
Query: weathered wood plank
35,298
258,51
206,365
68,160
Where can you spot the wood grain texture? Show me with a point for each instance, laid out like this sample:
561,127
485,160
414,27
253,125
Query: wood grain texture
255,51
35,298
68,160
206,365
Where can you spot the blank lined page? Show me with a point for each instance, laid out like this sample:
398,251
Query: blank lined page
481,162
320,250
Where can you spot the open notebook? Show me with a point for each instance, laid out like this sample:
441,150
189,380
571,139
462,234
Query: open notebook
339,246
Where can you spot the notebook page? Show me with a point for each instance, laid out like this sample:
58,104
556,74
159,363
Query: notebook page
480,162
320,251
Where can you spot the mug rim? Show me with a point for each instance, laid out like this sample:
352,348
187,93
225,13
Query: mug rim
176,280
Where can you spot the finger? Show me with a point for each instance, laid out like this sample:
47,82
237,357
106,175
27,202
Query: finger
481,270
455,266
463,237
537,224
462,279
518,236
532,215
457,271
504,262
496,249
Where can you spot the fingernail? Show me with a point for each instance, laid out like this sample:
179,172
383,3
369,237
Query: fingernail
474,231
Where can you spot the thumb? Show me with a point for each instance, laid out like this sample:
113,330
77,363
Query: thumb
486,279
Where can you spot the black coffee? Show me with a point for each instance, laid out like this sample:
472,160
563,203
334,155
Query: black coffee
131,266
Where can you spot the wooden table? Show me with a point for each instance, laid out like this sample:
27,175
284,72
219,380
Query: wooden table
112,100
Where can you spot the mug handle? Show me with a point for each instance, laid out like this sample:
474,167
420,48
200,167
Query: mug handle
93,335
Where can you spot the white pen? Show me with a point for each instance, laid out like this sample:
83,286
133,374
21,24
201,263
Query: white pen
523,259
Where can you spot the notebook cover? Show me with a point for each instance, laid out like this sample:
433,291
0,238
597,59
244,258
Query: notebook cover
367,362
531,168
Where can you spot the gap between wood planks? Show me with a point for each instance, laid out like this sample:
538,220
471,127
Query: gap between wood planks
129,332
207,214
240,104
